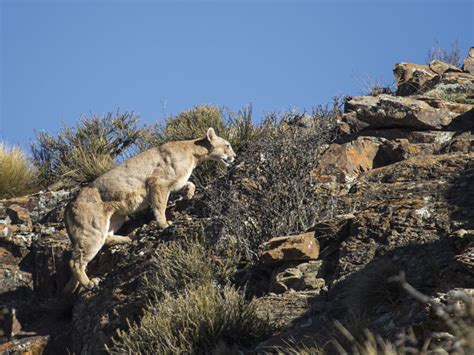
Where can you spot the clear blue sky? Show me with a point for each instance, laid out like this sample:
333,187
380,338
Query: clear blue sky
63,58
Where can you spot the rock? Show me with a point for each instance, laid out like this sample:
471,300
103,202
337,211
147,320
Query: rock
18,215
283,309
34,345
350,124
9,324
455,83
300,277
468,66
51,255
440,67
381,90
347,161
13,277
412,78
415,137
461,143
7,230
455,107
469,62
43,207
302,247
387,111
283,279
465,257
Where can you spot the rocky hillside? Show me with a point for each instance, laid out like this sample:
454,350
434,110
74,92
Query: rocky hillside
392,192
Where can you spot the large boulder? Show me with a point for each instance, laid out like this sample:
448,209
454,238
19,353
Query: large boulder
387,111
344,162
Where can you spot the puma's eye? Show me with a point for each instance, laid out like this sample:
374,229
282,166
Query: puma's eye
227,145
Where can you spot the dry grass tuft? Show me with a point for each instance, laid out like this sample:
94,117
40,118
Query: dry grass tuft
180,264
198,320
17,176
80,154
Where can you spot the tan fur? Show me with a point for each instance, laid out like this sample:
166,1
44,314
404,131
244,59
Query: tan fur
101,208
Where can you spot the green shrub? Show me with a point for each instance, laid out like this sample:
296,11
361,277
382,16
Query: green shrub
17,176
197,320
80,154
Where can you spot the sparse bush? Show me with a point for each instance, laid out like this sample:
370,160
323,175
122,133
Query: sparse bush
450,56
80,154
271,190
196,321
17,176
236,127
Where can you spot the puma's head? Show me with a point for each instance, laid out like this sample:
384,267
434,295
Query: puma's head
220,149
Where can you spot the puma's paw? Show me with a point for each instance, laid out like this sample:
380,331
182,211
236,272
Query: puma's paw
164,225
94,283
189,191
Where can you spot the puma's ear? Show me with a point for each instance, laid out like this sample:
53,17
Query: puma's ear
211,134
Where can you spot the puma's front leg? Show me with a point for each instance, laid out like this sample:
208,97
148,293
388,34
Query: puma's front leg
159,194
189,189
